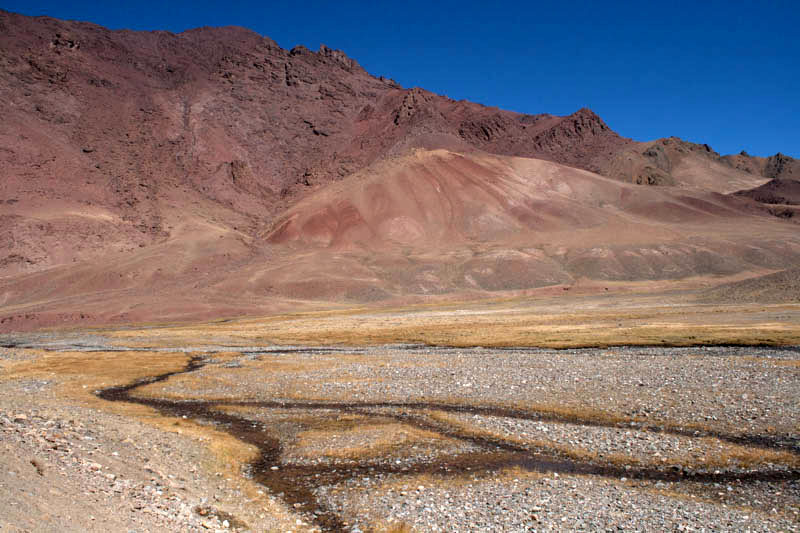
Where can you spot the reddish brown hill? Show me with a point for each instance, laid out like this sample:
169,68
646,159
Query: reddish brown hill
675,162
151,175
126,126
778,166
782,196
776,191
427,223
779,287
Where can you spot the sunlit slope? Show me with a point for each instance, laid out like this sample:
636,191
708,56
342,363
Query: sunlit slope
430,222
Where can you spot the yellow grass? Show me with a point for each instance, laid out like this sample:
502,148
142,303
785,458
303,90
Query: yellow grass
507,323
715,453
792,363
721,454
555,323
390,527
368,441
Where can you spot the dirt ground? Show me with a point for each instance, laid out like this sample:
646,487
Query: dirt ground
334,420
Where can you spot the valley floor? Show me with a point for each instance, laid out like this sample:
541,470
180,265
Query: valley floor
394,420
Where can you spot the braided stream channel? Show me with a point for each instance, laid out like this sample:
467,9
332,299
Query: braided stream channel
296,484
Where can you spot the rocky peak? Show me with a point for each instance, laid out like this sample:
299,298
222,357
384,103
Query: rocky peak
299,50
416,104
339,57
578,127
782,166
587,114
778,166
585,122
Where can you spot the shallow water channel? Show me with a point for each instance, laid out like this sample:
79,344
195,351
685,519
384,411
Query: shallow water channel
296,484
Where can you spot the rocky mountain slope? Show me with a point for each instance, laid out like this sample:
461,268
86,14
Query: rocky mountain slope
778,166
213,172
673,161
122,120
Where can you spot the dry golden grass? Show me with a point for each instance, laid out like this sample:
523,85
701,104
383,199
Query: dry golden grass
794,363
720,454
558,324
390,527
409,484
289,373
716,453
571,452
79,374
569,413
368,441
350,436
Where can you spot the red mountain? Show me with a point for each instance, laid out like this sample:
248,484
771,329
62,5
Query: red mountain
150,175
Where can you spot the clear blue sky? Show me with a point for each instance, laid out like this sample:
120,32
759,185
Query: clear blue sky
723,73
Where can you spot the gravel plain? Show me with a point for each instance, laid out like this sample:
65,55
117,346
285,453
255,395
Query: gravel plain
67,467
562,503
687,433
737,389
64,470
444,439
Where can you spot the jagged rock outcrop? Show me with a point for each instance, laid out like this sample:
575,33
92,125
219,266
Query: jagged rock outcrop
778,166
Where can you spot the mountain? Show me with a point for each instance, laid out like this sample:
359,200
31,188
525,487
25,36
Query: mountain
778,166
151,175
673,161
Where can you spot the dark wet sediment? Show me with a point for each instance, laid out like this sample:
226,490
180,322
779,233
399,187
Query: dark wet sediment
296,484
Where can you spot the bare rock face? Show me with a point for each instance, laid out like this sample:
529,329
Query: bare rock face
572,133
675,162
778,166
581,140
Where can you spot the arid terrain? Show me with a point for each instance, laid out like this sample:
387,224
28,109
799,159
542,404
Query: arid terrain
423,418
151,176
255,289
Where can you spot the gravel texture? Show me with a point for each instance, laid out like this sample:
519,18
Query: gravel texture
633,446
551,503
411,435
738,389
71,468
733,392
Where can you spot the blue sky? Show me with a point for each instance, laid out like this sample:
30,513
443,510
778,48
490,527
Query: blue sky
722,73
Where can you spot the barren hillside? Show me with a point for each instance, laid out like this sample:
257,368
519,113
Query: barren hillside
158,176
